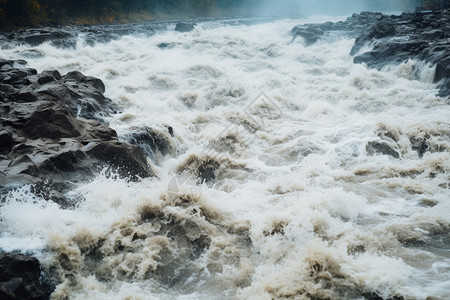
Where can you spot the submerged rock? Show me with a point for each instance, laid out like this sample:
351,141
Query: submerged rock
383,148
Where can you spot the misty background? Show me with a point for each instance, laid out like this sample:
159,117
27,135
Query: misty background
331,7
61,12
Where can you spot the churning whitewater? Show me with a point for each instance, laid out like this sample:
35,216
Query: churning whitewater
310,187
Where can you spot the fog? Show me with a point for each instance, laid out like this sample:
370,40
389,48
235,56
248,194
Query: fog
330,7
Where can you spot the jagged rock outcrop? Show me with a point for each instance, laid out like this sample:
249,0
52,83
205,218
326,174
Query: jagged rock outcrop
53,132
21,278
424,36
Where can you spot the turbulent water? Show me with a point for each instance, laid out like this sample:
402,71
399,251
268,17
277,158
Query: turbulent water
302,204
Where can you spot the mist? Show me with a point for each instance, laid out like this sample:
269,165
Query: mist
327,7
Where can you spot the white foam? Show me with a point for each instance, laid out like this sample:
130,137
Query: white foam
304,189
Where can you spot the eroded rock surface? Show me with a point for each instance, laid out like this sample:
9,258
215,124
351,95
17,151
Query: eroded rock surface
53,132
21,278
423,36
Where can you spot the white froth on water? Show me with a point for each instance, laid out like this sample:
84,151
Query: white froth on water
299,208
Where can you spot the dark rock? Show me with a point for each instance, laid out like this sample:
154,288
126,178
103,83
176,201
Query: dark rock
127,160
443,68
83,95
11,63
391,52
6,143
49,189
380,30
309,34
37,39
419,145
45,79
66,162
20,278
24,97
4,62
51,134
6,89
75,76
47,123
432,35
422,36
371,296
444,88
184,27
206,171
55,74
95,82
151,141
12,75
383,148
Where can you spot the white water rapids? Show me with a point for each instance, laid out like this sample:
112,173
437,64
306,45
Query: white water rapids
299,208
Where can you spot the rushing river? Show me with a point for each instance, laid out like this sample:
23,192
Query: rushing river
302,203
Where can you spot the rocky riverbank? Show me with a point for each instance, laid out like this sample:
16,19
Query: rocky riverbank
21,278
68,36
423,36
53,136
53,132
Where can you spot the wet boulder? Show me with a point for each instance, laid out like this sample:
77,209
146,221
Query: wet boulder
391,52
309,34
382,148
52,132
381,30
6,142
152,141
128,160
184,27
21,278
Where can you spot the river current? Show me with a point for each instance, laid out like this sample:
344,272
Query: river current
303,201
